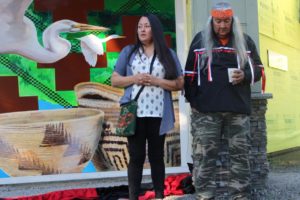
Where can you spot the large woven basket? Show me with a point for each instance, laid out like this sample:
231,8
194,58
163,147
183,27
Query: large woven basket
112,152
100,96
48,142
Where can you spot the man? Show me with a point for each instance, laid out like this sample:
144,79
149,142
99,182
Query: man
222,64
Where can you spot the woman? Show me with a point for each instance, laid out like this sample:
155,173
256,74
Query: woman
155,115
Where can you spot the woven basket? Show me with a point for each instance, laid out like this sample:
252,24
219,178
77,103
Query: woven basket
48,142
100,96
112,152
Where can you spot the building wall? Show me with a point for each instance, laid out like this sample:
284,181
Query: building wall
279,31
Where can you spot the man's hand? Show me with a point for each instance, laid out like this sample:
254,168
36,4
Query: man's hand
238,76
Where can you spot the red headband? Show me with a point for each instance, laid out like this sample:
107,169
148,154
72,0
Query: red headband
221,13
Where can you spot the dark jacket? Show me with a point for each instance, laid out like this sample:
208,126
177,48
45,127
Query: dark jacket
219,95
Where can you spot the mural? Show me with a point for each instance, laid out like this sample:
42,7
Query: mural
29,85
48,142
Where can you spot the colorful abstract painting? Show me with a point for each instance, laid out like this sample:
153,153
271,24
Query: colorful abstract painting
27,85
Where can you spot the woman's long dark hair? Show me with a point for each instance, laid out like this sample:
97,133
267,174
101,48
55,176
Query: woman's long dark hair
160,47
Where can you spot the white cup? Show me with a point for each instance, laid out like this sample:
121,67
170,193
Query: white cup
230,74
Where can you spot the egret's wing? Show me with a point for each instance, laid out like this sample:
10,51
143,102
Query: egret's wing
13,11
21,8
94,43
89,55
17,31
91,45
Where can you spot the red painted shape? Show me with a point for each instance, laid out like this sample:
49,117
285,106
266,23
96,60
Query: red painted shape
129,31
168,39
129,26
9,97
73,69
76,10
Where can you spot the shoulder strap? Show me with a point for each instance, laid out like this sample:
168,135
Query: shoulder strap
151,67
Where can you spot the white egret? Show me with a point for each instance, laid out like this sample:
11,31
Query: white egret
91,46
18,34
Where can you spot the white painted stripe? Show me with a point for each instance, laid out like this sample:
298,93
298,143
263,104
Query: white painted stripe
198,63
252,70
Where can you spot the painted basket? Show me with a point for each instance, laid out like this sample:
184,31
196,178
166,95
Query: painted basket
112,152
48,141
100,96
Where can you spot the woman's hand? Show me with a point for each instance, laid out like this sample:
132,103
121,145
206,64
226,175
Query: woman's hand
172,85
147,80
141,79
151,80
124,81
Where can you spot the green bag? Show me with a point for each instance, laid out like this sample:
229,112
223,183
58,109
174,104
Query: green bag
127,119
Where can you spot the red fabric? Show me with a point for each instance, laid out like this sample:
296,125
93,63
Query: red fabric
172,185
263,85
148,195
209,78
221,13
84,194
224,41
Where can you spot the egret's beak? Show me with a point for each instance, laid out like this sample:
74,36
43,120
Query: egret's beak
87,27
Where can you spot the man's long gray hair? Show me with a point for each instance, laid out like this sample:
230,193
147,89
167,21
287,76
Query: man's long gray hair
238,40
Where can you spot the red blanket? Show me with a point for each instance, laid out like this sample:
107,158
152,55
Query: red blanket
172,187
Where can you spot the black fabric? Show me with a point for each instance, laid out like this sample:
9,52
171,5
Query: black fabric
191,167
118,192
187,185
112,193
147,130
220,95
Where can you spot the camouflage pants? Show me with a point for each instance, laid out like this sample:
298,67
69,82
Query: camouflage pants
207,130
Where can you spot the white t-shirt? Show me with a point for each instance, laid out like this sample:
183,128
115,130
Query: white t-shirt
151,100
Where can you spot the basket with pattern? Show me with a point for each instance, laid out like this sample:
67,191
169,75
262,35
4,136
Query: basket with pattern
112,153
48,141
100,96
